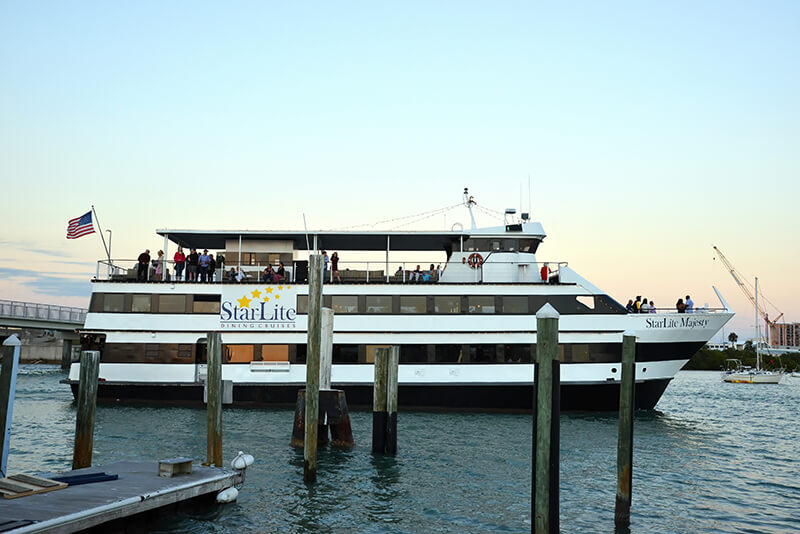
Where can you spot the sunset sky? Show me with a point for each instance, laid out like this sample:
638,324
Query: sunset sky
650,132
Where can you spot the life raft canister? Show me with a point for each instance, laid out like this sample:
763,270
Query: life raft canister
475,260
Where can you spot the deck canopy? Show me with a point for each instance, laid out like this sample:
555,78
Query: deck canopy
331,240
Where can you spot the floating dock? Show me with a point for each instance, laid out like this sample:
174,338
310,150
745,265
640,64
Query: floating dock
137,491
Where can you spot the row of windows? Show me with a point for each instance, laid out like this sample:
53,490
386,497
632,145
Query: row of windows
366,304
417,353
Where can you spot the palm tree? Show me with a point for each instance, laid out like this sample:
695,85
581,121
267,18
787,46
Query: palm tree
732,337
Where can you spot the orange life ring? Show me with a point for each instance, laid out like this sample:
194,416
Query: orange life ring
475,260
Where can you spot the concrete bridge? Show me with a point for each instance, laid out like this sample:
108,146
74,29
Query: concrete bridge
61,321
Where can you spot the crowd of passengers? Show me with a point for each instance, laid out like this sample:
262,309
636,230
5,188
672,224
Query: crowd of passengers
196,267
642,306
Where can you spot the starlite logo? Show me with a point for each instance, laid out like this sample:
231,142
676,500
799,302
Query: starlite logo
258,307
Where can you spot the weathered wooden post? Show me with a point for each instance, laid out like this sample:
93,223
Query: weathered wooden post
66,353
87,400
313,345
326,349
8,385
391,400
622,509
546,424
214,406
379,388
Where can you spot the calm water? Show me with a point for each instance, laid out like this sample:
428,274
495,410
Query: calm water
714,457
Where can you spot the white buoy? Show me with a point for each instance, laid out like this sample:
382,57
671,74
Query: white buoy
227,495
242,461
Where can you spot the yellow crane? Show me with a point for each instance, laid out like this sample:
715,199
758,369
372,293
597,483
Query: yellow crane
739,279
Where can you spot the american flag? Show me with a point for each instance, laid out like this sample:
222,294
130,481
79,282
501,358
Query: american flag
80,226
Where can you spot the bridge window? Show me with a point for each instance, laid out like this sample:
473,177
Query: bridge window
113,302
141,303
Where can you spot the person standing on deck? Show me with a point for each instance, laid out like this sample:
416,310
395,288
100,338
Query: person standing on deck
144,263
180,263
191,266
325,260
204,262
212,266
545,272
335,267
689,304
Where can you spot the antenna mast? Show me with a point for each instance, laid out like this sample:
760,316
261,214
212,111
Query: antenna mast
468,202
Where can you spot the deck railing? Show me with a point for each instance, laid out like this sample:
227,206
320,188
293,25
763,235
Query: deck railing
46,312
126,270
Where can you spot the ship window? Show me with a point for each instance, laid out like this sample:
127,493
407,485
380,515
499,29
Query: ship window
448,353
510,245
141,303
275,353
528,245
447,304
302,303
515,304
413,353
586,300
152,351
483,353
410,304
239,353
480,304
113,302
345,354
518,353
344,303
172,303
206,304
496,244
379,304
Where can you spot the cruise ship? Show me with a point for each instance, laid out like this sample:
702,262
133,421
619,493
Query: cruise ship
466,325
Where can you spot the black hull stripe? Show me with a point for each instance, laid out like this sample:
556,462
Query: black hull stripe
505,398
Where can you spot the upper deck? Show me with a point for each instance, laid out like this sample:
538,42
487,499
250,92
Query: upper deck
502,254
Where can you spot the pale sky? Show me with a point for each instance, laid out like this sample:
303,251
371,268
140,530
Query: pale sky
650,131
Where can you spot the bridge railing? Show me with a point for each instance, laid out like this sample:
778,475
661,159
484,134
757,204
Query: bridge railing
44,312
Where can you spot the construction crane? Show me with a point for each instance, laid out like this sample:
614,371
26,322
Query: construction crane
738,278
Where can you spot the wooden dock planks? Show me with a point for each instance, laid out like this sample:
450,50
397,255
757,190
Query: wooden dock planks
17,486
139,489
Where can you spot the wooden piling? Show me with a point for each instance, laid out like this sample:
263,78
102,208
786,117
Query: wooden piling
214,406
391,400
622,509
326,349
546,413
87,400
8,385
312,368
379,388
66,353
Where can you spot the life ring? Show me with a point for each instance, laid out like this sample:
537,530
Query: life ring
475,260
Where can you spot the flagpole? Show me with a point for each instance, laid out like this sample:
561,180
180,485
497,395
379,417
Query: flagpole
108,253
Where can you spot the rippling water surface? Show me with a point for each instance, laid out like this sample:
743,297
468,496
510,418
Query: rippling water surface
713,457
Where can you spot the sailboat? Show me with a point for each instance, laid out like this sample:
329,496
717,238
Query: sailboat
737,373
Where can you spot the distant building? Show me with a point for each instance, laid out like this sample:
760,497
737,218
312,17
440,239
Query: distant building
785,335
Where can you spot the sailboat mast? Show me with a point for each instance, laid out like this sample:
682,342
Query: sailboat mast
758,332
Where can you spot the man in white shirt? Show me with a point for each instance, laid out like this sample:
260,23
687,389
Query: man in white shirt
689,305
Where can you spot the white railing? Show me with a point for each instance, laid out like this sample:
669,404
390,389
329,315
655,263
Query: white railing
126,270
45,312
